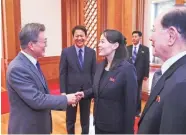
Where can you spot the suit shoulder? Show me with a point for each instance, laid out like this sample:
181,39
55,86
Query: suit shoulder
126,64
89,49
65,50
129,46
145,47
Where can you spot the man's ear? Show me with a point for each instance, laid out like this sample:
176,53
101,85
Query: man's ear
173,35
30,46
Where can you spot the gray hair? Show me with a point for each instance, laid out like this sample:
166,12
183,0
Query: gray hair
29,33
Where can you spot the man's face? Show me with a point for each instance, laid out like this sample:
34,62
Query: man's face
38,48
159,39
135,38
79,38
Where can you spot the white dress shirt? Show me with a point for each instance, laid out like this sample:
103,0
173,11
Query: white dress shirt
32,59
171,61
83,51
137,47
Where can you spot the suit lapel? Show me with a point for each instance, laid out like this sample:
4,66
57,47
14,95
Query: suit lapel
86,57
34,70
98,75
111,75
160,84
130,53
139,53
75,56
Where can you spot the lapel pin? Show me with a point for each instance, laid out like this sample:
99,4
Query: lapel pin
112,79
158,99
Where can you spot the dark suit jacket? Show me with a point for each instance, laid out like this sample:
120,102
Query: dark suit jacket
30,101
115,98
167,116
142,61
72,77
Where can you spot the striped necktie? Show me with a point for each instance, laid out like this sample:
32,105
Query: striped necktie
134,54
80,58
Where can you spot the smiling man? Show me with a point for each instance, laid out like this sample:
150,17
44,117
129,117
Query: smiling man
28,93
77,68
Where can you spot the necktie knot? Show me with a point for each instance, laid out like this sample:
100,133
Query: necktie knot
156,77
80,50
39,69
38,65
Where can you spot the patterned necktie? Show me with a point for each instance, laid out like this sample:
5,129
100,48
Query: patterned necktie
134,54
156,77
80,58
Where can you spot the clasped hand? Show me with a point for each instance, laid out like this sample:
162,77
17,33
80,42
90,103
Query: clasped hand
74,98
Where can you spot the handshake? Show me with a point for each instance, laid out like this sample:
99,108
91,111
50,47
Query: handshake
74,98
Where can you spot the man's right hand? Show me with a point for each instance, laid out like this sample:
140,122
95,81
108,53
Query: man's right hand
72,99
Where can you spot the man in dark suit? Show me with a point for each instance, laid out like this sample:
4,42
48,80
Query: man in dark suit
30,101
77,68
165,109
139,56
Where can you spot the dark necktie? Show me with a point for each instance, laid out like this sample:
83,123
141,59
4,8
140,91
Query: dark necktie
39,69
134,54
156,77
80,58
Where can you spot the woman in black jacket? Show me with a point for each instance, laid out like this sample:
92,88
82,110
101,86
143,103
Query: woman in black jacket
114,88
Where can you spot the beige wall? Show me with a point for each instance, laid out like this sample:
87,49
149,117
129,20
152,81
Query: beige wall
47,12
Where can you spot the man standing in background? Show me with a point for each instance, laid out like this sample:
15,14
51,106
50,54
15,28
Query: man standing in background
77,69
139,56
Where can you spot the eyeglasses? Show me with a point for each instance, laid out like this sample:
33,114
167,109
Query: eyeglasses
43,42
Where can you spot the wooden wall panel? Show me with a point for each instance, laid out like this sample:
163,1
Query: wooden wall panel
72,15
180,1
11,24
127,19
50,67
120,16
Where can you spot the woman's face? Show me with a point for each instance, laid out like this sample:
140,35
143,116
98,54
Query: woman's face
105,48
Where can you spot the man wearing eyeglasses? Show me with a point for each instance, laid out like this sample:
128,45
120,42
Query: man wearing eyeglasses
30,101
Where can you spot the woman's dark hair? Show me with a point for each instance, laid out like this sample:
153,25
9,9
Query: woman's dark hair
121,53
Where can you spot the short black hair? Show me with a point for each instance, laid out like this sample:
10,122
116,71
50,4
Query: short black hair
177,19
79,27
121,53
137,32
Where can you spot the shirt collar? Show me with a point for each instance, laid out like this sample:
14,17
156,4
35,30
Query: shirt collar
32,59
171,61
82,48
137,46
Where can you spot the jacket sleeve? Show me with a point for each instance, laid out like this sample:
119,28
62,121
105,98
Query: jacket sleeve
28,90
88,93
63,70
93,70
130,94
